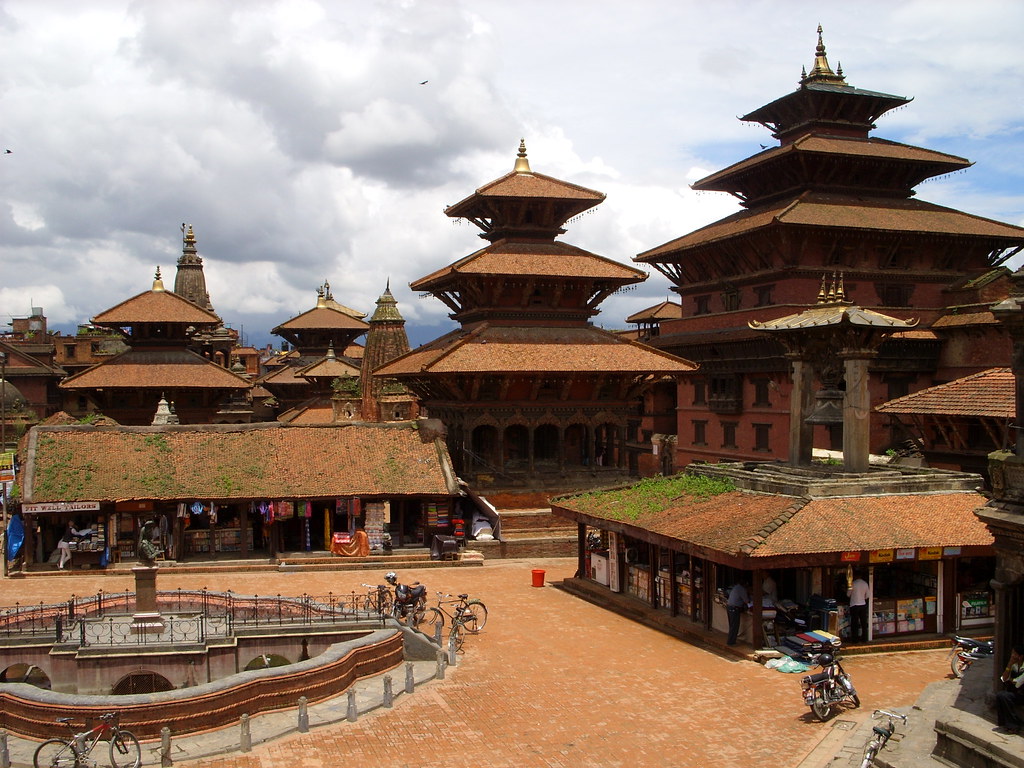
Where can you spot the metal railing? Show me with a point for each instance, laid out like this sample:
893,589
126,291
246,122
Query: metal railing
187,616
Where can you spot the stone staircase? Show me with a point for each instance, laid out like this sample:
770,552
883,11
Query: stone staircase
530,533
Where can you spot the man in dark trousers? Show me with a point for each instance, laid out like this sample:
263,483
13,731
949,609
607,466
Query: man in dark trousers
735,606
859,593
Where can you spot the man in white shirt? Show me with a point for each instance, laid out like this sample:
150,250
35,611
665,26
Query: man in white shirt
859,593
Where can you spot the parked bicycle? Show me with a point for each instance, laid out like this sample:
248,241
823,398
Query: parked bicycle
466,617
378,599
75,752
881,736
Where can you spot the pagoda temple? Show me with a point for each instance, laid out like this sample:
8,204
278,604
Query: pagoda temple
385,399
157,326
829,198
533,396
324,337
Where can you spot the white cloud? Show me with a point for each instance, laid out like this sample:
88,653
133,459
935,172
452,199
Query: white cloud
295,135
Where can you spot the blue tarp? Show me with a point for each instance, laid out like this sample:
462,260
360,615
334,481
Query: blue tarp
15,536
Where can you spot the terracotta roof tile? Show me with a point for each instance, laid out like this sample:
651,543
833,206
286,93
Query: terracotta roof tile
968,318
542,259
987,393
325,318
534,349
873,148
147,369
155,307
259,461
822,210
764,525
666,310
535,185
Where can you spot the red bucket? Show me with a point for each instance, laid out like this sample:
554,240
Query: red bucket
538,578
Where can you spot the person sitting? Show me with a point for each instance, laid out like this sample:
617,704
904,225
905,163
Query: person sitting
1008,700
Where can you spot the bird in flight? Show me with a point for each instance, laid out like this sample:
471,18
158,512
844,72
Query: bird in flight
424,82
8,152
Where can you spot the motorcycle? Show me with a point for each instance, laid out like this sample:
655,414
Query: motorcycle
966,651
826,690
410,600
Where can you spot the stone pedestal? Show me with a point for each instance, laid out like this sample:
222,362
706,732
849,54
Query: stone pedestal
146,617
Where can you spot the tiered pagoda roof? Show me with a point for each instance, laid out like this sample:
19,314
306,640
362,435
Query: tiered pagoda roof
524,300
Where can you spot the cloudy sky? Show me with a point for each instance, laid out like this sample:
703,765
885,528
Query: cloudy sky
297,139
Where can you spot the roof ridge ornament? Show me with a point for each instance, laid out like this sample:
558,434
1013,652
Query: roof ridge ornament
158,284
522,163
821,72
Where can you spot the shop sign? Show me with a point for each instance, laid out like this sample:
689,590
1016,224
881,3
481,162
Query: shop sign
60,506
850,557
951,551
905,554
6,467
929,553
880,556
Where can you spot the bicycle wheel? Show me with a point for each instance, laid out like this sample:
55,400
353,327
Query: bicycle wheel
54,753
125,751
869,754
431,619
475,616
457,636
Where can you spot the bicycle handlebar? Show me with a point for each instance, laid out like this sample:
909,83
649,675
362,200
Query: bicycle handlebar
887,713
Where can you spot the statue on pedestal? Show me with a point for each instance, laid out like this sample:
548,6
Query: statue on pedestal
148,548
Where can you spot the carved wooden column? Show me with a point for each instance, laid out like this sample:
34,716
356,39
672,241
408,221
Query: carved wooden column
856,410
801,403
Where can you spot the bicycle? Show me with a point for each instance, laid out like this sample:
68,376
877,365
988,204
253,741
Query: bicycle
125,751
882,734
378,599
468,615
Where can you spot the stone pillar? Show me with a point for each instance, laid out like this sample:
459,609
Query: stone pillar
856,411
146,617
801,403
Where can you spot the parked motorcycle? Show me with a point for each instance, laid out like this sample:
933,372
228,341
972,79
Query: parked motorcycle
966,651
826,690
410,600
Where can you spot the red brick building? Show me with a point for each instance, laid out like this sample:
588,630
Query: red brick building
832,200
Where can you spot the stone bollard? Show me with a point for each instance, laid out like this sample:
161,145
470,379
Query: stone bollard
453,655
389,697
165,747
5,752
353,714
303,714
245,743
410,678
437,633
442,663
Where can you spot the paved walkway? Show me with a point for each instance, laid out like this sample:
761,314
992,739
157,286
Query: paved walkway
553,681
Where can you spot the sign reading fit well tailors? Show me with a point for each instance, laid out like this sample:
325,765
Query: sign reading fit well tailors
60,506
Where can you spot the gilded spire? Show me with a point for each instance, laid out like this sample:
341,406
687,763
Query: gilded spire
522,164
821,72
321,301
158,284
822,293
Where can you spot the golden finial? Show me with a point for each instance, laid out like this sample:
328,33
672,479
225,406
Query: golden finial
320,300
190,236
158,284
832,289
821,71
522,164
841,291
327,291
330,352
822,295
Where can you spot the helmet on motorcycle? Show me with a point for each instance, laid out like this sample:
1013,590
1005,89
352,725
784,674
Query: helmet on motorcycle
826,660
390,577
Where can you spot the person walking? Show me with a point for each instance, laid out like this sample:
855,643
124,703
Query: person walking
859,594
64,545
737,603
1008,700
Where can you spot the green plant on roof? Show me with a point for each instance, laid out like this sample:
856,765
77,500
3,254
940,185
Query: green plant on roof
159,442
58,475
389,472
650,495
90,417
